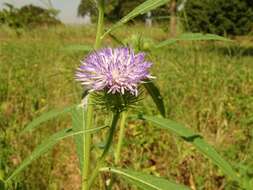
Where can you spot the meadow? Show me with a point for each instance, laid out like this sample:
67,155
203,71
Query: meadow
208,86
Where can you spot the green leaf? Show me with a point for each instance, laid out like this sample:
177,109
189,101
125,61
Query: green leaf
139,10
78,124
77,48
145,181
197,141
48,144
116,39
47,116
191,37
156,96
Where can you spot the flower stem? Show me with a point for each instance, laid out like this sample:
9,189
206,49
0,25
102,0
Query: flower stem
90,109
121,136
101,160
119,145
100,25
87,145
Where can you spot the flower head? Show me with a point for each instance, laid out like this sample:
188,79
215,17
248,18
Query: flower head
117,70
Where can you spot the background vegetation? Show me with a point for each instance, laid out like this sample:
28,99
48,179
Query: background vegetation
116,9
28,16
223,17
207,86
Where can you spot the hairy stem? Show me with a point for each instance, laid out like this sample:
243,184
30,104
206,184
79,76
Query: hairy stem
101,160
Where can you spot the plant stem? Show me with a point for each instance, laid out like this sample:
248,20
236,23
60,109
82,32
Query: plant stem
119,145
90,109
101,160
100,25
87,145
121,136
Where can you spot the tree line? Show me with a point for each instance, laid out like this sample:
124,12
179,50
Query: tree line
27,16
223,17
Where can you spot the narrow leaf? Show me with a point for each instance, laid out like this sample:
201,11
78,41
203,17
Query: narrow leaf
145,181
191,37
78,48
48,144
78,124
47,116
41,149
197,141
156,96
116,39
139,10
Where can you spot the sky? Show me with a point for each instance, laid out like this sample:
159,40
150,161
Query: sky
68,8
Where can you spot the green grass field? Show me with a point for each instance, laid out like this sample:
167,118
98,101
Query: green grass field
208,86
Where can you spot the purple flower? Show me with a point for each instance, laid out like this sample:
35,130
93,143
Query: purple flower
114,70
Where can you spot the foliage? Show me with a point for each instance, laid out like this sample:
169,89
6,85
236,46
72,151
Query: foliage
87,7
219,16
144,181
27,16
115,9
141,9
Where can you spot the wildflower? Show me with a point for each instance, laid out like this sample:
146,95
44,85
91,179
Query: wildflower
117,71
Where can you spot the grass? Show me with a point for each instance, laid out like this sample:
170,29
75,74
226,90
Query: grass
207,86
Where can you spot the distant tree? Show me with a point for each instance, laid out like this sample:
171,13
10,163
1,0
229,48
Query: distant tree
27,16
233,17
33,16
85,7
9,16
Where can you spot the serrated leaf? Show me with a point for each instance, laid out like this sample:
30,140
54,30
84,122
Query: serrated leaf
156,96
191,37
199,143
47,116
139,10
145,181
48,144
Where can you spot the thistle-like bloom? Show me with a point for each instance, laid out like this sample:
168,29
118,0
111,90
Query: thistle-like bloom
116,70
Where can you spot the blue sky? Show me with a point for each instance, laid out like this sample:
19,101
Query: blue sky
68,8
